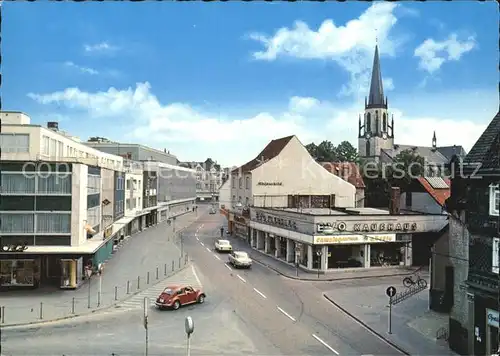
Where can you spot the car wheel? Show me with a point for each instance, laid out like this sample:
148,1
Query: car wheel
201,298
176,305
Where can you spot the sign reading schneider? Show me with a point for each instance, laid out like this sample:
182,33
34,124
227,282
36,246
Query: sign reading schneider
286,223
329,228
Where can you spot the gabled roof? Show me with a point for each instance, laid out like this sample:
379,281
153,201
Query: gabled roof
450,151
430,154
272,150
486,151
348,171
435,191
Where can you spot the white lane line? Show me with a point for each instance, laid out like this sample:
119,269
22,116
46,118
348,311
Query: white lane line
217,257
208,249
260,293
202,244
241,278
285,313
227,266
325,345
196,275
197,238
202,226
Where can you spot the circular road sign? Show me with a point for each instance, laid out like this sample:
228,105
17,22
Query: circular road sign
390,291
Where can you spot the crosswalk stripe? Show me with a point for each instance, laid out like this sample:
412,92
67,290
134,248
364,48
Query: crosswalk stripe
186,277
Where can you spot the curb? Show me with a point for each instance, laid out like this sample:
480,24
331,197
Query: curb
391,343
330,279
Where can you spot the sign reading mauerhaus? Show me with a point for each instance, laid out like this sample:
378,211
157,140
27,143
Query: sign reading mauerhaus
273,220
329,228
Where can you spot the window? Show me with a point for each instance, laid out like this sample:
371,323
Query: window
53,223
93,216
128,184
409,200
54,184
368,153
45,145
247,183
52,147
494,199
17,223
15,143
240,181
19,183
128,204
246,201
368,126
139,203
93,184
384,123
234,199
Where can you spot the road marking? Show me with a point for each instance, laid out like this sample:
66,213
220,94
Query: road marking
208,249
325,345
227,266
260,293
202,244
197,238
241,278
201,226
196,275
288,315
217,257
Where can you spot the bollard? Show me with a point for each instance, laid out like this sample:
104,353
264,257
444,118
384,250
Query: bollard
157,273
147,278
128,287
179,262
41,310
116,293
173,266
138,282
165,272
3,314
73,305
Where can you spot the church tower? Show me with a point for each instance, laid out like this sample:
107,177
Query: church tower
375,131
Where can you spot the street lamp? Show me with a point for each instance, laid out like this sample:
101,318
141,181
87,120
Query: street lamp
189,327
319,253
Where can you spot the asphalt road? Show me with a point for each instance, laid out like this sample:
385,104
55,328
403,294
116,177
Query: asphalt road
254,312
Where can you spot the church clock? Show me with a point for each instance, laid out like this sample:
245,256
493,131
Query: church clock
384,135
367,135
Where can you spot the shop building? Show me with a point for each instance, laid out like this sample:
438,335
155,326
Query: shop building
325,239
282,175
474,247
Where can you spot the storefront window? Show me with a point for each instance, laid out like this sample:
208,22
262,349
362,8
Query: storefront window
386,254
17,272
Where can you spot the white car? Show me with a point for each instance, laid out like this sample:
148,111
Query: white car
240,259
223,246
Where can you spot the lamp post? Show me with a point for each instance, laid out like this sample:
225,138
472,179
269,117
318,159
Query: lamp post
88,273
319,254
189,327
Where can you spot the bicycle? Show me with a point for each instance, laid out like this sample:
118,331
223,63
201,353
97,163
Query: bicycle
409,281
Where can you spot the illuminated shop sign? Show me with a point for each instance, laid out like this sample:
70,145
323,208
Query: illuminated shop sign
492,317
278,184
14,248
273,220
346,239
329,228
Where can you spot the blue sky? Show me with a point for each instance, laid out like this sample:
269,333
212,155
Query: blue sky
222,79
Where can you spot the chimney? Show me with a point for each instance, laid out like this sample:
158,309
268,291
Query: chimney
394,202
53,125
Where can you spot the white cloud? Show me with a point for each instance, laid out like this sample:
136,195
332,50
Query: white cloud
350,45
193,134
433,54
99,48
85,70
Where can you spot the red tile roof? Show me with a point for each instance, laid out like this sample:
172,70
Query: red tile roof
439,195
348,171
272,150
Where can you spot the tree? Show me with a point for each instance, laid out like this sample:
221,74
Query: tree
406,166
324,152
346,152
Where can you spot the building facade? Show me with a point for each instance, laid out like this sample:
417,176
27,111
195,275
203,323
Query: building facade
474,247
349,171
208,179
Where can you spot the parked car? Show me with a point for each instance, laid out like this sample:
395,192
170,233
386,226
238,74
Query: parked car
240,259
223,246
173,297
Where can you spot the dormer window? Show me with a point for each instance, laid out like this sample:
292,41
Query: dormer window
494,199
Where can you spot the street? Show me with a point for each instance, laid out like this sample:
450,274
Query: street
252,312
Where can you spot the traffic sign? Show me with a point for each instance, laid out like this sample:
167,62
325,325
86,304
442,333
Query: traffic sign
390,291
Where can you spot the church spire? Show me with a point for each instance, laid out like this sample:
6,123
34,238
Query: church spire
434,140
376,96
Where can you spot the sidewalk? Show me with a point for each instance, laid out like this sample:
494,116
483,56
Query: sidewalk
290,271
144,259
414,327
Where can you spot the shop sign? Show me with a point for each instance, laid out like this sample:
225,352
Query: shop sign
495,258
270,184
273,220
108,232
329,228
345,239
14,248
492,317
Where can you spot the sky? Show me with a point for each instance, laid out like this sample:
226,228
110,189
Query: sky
221,80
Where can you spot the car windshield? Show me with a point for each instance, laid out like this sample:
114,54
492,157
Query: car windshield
168,291
223,242
241,254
